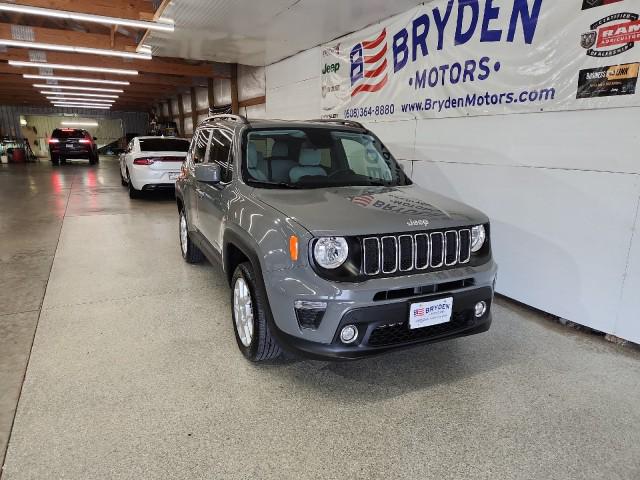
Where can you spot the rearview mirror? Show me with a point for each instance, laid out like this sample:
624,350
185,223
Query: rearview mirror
208,173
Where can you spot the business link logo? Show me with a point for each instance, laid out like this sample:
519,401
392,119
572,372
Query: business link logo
369,65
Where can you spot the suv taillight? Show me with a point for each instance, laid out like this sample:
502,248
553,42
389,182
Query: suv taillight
54,140
144,161
84,140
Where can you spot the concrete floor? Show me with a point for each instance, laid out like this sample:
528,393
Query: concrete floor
134,371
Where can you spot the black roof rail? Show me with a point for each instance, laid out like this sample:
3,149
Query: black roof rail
226,116
340,121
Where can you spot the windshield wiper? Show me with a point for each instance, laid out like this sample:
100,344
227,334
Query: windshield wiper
272,184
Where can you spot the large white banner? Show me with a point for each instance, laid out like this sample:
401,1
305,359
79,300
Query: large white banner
451,58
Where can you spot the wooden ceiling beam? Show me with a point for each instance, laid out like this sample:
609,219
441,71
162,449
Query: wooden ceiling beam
73,39
160,65
130,9
142,78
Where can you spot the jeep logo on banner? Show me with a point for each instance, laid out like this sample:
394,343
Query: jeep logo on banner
449,58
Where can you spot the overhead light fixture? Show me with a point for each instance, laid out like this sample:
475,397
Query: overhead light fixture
59,66
81,105
84,89
79,124
74,79
87,17
78,99
142,55
75,94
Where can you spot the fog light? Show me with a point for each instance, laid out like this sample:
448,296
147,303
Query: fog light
349,334
480,309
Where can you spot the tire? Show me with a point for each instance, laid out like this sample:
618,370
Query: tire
55,161
122,180
93,160
190,252
133,193
262,346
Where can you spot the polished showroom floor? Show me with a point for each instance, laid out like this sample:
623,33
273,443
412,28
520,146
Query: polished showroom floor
134,372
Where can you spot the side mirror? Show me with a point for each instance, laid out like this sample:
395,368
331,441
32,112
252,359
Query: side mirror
95,139
208,173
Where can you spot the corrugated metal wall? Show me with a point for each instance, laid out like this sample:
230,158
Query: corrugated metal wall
133,122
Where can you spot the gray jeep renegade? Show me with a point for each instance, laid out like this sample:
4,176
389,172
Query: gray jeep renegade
329,248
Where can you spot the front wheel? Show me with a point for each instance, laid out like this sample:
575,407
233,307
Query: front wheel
249,312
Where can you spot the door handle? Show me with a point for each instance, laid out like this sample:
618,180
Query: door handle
200,193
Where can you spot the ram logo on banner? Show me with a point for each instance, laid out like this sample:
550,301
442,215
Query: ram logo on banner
450,58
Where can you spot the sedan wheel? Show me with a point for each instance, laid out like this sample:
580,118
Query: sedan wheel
243,311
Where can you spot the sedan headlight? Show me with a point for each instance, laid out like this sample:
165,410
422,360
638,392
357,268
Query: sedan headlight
331,252
478,237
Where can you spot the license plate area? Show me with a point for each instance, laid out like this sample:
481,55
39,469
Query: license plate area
430,313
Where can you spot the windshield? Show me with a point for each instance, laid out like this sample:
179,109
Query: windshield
163,145
317,158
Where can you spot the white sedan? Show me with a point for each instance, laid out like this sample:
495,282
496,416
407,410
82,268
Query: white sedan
152,163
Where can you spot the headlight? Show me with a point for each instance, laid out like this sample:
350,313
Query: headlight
478,237
331,252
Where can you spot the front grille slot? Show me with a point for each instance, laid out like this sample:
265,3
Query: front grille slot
406,253
389,254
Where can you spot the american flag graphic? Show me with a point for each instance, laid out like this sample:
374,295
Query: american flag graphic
363,200
369,65
418,312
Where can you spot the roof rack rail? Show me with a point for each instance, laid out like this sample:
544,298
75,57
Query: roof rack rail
340,121
228,116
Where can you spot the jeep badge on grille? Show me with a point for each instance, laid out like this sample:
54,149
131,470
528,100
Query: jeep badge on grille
417,223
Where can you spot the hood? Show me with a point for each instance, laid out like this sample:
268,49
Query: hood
370,210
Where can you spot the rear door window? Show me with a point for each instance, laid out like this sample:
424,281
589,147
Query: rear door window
220,152
200,144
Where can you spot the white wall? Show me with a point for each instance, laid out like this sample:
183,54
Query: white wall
562,190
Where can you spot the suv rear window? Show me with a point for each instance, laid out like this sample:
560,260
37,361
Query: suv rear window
163,145
65,133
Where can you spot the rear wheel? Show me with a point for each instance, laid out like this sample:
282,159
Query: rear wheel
190,252
55,160
93,159
133,193
249,312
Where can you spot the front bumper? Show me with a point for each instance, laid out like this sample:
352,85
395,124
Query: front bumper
382,322
384,328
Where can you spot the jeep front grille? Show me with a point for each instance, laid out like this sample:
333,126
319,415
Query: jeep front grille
402,254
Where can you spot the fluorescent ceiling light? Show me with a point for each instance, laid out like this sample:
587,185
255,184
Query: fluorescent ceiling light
79,124
77,99
75,94
84,89
85,17
144,55
59,66
74,79
81,105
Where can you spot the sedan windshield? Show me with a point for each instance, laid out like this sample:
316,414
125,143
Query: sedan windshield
317,158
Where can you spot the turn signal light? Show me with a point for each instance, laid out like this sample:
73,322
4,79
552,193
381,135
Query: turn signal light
293,248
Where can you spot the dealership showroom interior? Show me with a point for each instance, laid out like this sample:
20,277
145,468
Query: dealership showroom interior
320,239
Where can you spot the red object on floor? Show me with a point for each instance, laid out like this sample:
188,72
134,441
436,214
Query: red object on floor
19,155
